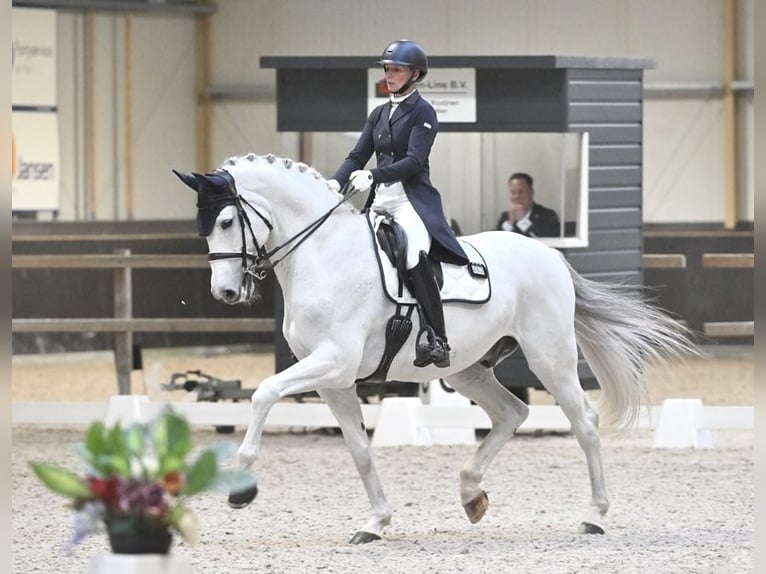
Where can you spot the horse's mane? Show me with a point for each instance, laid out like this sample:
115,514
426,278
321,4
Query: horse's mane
290,166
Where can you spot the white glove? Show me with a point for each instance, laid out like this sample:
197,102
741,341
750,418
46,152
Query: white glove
333,185
361,179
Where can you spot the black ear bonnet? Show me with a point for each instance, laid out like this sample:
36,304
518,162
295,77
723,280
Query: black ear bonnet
215,190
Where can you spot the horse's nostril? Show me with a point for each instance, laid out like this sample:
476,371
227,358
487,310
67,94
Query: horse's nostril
230,294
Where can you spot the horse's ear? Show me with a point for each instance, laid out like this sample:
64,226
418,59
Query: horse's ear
188,178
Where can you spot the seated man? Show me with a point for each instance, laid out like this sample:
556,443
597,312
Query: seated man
525,216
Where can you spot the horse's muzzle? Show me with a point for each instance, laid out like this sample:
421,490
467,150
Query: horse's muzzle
247,291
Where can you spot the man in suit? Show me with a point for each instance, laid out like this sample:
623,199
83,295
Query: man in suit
525,216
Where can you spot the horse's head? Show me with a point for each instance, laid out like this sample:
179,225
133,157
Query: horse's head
236,231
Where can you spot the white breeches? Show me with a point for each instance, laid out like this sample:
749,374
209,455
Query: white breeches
392,199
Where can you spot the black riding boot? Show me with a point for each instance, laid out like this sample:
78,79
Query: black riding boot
426,291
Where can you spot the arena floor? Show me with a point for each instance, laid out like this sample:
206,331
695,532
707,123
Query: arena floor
673,511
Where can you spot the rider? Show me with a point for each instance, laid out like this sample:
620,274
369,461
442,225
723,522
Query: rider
401,133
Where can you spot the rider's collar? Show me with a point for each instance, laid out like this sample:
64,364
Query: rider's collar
399,99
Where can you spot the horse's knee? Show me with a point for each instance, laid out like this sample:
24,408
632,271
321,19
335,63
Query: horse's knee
266,393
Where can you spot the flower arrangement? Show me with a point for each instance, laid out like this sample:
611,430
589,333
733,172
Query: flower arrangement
136,481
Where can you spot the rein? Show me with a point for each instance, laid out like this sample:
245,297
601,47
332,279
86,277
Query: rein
262,263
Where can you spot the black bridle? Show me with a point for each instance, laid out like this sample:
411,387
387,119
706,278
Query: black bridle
262,259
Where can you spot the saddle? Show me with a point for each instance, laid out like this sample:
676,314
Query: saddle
457,283
463,284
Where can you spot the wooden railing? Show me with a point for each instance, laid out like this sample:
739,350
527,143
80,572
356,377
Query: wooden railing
123,324
710,261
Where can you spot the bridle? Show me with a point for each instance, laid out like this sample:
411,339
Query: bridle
262,259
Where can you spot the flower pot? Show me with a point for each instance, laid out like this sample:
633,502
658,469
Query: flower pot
127,537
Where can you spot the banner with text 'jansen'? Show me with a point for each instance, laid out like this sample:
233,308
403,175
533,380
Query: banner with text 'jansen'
35,163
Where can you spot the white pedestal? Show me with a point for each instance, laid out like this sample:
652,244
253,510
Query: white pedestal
679,427
139,564
127,410
398,423
436,395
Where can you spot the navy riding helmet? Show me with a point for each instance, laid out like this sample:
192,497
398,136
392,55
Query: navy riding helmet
406,53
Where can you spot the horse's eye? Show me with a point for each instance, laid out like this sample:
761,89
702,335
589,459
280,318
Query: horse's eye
226,223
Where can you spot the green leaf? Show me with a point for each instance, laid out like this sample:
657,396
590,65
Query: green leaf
170,464
61,481
171,435
95,441
135,440
118,464
115,439
202,473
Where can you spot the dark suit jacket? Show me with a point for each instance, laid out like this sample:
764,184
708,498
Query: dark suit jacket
402,146
545,222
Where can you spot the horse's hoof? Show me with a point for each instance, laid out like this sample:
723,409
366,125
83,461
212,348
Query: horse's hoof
588,528
477,508
243,497
363,537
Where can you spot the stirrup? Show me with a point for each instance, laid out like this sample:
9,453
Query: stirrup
436,352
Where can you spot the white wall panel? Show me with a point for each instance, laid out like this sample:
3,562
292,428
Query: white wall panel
164,116
682,150
683,37
70,74
682,182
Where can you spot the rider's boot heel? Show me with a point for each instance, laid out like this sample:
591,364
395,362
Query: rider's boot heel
427,293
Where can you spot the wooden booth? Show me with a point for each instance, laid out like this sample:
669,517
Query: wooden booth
598,100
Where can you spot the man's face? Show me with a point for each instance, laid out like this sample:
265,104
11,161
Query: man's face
521,194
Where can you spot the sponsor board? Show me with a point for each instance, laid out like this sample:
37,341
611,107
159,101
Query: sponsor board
35,162
451,91
35,170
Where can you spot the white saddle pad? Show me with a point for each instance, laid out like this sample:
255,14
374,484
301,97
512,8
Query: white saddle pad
460,286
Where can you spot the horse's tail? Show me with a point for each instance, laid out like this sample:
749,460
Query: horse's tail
618,332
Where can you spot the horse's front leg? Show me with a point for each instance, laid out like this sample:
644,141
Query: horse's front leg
344,404
318,369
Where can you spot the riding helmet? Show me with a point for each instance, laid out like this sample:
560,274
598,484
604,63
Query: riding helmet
406,53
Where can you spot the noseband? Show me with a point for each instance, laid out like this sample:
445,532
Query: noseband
262,262
261,254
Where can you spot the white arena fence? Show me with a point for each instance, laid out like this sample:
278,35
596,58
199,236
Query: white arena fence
424,421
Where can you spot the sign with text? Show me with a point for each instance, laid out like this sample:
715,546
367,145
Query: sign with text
35,163
451,91
35,139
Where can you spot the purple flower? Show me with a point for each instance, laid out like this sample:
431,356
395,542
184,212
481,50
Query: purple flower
144,497
87,520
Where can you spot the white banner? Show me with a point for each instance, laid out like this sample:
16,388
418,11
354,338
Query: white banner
35,164
451,91
35,161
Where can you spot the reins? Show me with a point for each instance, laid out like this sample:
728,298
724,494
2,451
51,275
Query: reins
262,263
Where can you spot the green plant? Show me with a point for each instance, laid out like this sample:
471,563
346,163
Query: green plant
138,477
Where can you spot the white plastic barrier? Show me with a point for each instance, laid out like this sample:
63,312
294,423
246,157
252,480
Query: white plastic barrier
678,423
436,394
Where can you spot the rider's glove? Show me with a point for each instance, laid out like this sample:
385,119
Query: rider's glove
333,185
361,179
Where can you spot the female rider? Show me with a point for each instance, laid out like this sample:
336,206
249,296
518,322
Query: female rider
401,133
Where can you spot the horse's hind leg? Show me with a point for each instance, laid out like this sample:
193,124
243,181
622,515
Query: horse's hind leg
506,412
344,404
554,361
